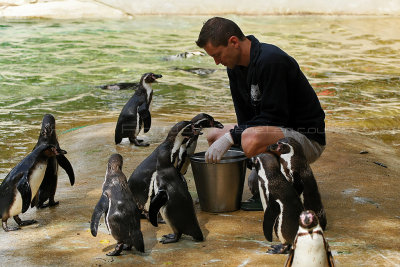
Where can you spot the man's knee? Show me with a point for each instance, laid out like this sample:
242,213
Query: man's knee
249,142
255,140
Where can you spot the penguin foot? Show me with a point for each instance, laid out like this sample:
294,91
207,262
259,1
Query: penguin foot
170,238
118,249
49,204
20,222
127,247
27,222
8,229
138,142
279,249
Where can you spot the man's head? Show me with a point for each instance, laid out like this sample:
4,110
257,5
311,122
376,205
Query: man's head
220,38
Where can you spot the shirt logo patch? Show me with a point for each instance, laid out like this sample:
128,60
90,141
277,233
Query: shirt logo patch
255,93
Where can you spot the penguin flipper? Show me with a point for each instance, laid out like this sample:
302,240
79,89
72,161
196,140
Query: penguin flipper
138,242
101,207
66,165
145,115
270,215
26,193
156,203
35,200
118,132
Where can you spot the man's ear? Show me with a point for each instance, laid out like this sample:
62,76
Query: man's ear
233,40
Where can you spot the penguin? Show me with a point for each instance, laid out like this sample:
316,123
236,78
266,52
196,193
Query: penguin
172,199
281,203
188,147
310,249
122,215
120,86
48,188
136,114
184,55
22,183
141,182
296,169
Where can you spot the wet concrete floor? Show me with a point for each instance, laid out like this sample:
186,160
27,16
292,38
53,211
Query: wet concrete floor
361,199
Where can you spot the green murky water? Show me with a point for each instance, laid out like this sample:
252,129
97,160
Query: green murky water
50,66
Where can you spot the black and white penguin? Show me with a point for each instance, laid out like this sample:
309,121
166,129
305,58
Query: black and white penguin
136,112
142,180
22,183
281,203
296,169
310,249
120,86
48,188
188,147
172,199
183,55
122,215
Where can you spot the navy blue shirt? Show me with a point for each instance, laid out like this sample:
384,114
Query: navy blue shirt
273,91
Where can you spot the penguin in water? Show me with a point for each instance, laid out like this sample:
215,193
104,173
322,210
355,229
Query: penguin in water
136,114
172,199
48,188
120,86
281,203
200,121
22,183
122,215
296,169
141,182
310,249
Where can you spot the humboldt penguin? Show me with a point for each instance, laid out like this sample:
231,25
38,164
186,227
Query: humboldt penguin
120,86
281,203
310,249
172,199
141,182
48,188
296,169
184,55
22,183
122,215
200,121
136,112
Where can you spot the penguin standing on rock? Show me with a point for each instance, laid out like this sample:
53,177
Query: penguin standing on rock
172,199
142,180
281,203
296,169
136,114
48,188
122,215
21,185
310,249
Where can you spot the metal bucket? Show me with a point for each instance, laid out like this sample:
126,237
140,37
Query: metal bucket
219,186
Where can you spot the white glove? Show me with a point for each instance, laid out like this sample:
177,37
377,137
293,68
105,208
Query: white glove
218,148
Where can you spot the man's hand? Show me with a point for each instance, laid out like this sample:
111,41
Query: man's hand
218,148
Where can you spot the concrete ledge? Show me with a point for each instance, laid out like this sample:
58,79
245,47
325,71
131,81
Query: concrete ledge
361,199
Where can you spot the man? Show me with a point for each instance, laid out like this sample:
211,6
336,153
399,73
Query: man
272,97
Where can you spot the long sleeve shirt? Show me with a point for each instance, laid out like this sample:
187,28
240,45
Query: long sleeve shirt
273,91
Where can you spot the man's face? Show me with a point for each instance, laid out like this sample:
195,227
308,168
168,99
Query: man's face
226,55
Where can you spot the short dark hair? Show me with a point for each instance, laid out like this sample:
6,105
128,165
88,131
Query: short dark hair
218,30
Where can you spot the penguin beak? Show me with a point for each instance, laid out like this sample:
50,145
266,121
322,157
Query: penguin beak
156,76
59,151
219,125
